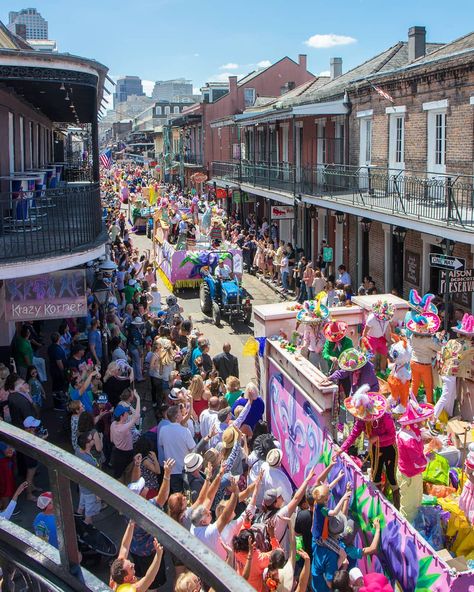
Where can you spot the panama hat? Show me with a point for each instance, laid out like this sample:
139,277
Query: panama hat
336,330
193,462
229,437
352,359
426,324
312,312
366,406
416,413
465,326
274,457
383,310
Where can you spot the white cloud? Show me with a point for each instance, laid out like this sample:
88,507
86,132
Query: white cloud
325,73
148,87
264,64
229,66
329,40
196,55
223,76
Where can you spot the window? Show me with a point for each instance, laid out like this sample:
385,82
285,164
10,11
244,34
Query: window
397,141
249,96
157,110
167,110
440,138
175,109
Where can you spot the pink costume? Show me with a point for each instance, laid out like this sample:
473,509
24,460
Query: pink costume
383,428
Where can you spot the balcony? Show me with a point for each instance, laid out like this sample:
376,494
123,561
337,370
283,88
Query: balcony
443,200
50,223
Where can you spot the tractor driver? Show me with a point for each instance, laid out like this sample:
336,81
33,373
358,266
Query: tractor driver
222,274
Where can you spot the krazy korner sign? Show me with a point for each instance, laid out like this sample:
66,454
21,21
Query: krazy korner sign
60,294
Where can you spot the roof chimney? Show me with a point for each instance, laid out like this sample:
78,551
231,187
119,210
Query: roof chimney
336,67
302,60
416,43
232,84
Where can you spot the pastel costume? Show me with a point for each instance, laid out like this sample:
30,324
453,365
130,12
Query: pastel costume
424,351
399,380
411,464
335,349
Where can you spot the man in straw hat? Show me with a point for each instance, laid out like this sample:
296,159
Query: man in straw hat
424,349
456,361
370,411
411,457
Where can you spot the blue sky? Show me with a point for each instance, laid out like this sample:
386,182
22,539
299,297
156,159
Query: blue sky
210,39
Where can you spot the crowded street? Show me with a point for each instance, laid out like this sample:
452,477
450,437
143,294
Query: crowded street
236,319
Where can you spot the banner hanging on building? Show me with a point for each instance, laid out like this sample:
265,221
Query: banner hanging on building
59,294
282,213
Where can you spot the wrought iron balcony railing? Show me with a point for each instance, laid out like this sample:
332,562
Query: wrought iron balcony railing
36,224
41,564
430,197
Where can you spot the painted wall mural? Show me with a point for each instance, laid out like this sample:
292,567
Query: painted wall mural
403,556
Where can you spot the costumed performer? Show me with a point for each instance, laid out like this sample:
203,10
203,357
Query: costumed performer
370,411
354,365
313,316
337,342
182,233
206,218
424,350
456,361
376,332
411,457
399,380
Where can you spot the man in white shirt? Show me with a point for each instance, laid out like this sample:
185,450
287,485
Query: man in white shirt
210,533
343,276
222,271
209,417
176,442
274,478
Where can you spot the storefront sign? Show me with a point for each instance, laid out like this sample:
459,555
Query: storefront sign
59,294
236,196
328,254
282,213
412,268
455,282
447,262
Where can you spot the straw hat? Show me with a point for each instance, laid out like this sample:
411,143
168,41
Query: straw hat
383,310
336,330
465,326
312,312
426,324
366,406
416,413
274,457
352,359
229,437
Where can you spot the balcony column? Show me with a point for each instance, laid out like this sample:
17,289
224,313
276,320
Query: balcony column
339,250
7,331
95,143
427,241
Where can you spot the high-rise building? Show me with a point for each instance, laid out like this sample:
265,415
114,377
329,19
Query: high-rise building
127,86
36,25
172,90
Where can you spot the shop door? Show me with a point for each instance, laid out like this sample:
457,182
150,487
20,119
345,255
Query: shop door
434,271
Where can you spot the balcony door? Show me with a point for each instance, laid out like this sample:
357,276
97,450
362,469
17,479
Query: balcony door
299,150
284,151
365,151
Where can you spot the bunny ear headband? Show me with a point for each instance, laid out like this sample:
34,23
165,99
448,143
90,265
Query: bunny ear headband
422,304
466,325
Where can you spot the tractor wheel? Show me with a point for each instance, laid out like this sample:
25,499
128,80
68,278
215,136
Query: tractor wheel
205,298
216,314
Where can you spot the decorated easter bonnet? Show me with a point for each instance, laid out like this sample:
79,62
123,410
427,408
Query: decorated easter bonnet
426,324
465,326
352,359
422,304
365,405
312,312
416,413
336,330
383,310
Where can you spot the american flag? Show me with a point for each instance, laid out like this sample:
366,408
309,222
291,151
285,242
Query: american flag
382,93
105,158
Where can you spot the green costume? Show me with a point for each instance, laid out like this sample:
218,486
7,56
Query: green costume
334,350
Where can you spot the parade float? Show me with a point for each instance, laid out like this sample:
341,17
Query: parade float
181,264
436,550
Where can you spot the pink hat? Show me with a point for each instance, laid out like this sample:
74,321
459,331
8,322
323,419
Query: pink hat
416,413
44,500
426,324
466,326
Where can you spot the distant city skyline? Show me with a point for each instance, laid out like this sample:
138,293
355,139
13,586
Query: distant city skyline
134,42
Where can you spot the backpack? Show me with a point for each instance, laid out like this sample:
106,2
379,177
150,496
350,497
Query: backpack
185,368
260,536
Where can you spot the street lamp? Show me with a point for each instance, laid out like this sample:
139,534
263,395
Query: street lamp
101,291
313,212
365,224
340,216
400,233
